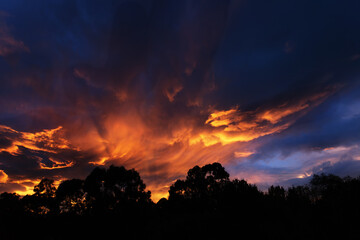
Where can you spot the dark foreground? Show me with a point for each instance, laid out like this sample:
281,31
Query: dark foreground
113,204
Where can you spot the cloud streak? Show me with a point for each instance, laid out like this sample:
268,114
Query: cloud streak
161,86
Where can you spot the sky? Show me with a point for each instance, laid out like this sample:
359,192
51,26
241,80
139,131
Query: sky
269,89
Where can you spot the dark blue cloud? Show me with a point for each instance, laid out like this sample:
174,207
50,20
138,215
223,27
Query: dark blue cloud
276,48
331,124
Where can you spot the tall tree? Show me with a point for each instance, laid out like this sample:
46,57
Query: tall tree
114,188
71,197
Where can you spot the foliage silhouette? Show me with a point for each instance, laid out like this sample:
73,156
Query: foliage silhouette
9,204
45,188
42,202
71,197
114,189
206,204
201,183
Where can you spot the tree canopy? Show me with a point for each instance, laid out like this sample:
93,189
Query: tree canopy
205,204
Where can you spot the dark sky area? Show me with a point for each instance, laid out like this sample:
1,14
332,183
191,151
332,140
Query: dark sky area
270,89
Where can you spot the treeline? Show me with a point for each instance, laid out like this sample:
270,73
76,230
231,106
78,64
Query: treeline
113,203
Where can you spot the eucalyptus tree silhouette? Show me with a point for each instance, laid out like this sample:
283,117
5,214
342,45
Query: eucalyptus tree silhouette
201,182
45,188
277,193
326,187
206,204
300,196
115,189
239,193
9,205
42,202
71,197
210,205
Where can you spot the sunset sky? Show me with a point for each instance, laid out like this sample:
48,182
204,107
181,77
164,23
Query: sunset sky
270,89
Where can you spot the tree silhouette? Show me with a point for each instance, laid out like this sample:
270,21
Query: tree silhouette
45,188
201,182
115,188
42,202
240,192
71,197
299,195
277,193
326,187
9,204
206,204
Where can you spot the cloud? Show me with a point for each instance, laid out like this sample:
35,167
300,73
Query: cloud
161,86
299,166
44,141
27,157
331,124
11,187
238,126
3,177
8,44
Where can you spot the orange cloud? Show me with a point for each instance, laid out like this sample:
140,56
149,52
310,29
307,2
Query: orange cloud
3,177
234,125
27,185
243,154
39,151
171,92
163,152
56,164
46,140
163,148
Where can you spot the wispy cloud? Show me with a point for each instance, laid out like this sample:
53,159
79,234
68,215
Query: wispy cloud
8,43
